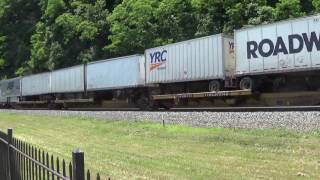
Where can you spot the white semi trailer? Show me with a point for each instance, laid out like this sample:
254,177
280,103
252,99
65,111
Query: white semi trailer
279,53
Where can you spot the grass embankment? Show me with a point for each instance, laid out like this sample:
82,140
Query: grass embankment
139,150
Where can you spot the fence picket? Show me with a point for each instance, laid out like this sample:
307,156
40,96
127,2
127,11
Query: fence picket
24,163
18,156
43,162
32,163
70,171
88,174
58,167
29,164
52,167
64,168
47,156
36,166
20,159
39,159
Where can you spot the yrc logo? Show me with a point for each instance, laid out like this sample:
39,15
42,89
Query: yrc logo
158,58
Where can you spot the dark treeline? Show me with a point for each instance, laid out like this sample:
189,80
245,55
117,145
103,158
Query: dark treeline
43,35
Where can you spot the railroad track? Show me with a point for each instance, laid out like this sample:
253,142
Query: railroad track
297,118
199,109
211,109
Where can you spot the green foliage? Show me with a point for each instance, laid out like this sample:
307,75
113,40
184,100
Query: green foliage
288,9
210,16
54,8
42,35
38,41
246,12
73,35
17,22
87,30
176,20
132,26
2,63
316,5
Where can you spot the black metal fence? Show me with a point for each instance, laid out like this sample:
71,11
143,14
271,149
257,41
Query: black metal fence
22,161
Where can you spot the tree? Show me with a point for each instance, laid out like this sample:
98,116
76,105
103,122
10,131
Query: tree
210,16
306,6
246,12
288,9
71,32
316,5
133,27
140,24
17,21
175,20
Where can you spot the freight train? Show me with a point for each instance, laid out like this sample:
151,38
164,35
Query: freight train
279,57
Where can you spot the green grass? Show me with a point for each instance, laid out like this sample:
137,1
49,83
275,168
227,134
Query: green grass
141,150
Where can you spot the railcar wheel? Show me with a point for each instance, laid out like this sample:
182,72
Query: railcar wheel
143,103
215,86
247,83
53,106
278,83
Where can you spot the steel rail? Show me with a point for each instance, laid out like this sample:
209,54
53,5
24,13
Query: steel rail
200,109
196,109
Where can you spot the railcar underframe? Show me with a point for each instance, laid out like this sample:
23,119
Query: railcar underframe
292,88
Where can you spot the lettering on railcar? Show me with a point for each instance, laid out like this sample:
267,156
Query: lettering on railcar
208,94
296,43
218,94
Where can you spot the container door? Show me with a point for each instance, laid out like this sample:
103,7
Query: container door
302,59
242,61
229,59
314,26
185,64
256,64
286,61
270,63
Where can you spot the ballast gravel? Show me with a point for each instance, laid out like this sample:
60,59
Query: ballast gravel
297,121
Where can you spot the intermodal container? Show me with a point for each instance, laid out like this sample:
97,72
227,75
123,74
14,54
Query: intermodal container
123,72
286,46
10,87
2,99
37,84
205,58
68,80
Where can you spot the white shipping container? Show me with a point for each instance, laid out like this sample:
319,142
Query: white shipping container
10,87
286,46
116,73
37,84
2,98
68,80
204,58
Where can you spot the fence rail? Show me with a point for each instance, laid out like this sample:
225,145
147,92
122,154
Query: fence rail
22,161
